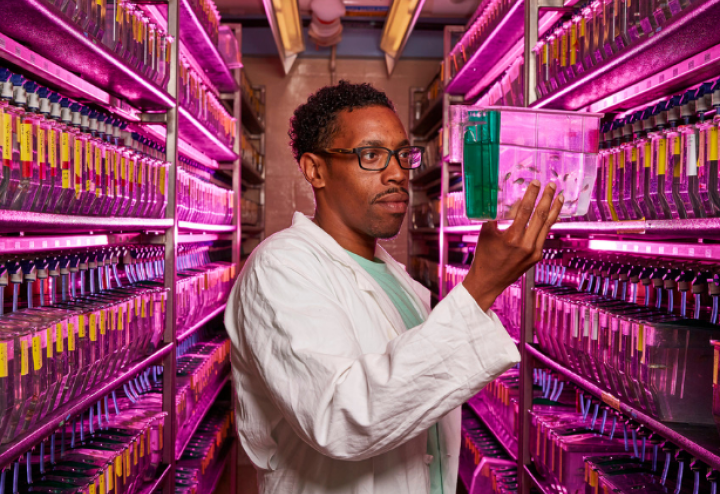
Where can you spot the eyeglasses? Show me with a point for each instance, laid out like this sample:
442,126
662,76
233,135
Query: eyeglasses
377,158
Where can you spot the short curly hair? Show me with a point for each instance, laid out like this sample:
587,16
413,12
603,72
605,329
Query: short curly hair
314,123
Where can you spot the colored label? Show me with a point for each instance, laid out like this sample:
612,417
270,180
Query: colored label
4,360
110,479
102,321
92,489
37,353
101,483
648,155
71,337
81,326
161,184
93,327
98,169
662,156
65,159
119,465
691,162
26,142
713,144
41,151
78,166
52,151
49,335
7,137
24,358
634,155
120,318
59,338
621,161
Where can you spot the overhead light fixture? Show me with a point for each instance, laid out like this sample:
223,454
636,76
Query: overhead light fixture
284,19
398,27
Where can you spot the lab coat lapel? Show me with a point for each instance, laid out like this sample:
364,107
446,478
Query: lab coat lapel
364,281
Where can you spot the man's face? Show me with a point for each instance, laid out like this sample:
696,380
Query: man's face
373,203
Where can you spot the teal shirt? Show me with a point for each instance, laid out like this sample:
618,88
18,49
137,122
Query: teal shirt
410,316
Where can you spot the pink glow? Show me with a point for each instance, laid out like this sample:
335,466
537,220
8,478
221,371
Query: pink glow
604,245
196,123
101,51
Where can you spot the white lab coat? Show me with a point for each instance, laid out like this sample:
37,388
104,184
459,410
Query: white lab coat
334,395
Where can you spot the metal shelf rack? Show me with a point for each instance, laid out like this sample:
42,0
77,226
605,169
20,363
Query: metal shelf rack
685,53
45,30
51,50
11,451
650,56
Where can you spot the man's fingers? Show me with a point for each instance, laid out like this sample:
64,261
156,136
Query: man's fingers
542,212
527,205
551,219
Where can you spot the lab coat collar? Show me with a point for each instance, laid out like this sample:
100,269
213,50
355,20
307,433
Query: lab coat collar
419,295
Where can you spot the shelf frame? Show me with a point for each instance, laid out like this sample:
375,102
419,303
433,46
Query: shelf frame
27,222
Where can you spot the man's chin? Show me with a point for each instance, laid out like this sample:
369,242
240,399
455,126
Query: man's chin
389,229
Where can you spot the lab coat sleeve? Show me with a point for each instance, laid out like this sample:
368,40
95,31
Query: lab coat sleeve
352,406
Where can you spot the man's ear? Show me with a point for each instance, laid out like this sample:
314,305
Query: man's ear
315,170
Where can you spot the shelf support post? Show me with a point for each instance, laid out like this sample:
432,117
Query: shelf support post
169,335
526,366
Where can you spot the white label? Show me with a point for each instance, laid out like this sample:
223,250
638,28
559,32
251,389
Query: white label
691,149
595,324
586,325
575,322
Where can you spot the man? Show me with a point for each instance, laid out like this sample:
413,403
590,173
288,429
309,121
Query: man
342,371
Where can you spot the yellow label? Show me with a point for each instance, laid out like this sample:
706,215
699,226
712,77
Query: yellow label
140,173
545,53
110,479
563,50
71,337
573,44
37,353
92,489
161,184
112,318
78,167
49,335
641,338
648,155
162,303
118,19
713,144
102,321
65,147
7,136
135,453
119,465
52,148
40,145
81,326
676,145
132,171
23,358
621,161
88,163
59,345
4,360
143,312
93,327
123,166
142,447
151,308
127,463
634,154
662,156
101,483
582,27
120,318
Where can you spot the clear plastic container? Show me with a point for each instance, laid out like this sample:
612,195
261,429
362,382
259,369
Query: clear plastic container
505,149
11,193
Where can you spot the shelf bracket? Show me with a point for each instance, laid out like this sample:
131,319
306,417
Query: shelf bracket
153,118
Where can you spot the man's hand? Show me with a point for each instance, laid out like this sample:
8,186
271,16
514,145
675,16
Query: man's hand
501,257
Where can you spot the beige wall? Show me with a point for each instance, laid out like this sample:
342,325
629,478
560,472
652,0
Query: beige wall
285,189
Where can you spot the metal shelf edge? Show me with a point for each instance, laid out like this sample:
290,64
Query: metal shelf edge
202,227
152,486
11,451
195,327
22,221
199,416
